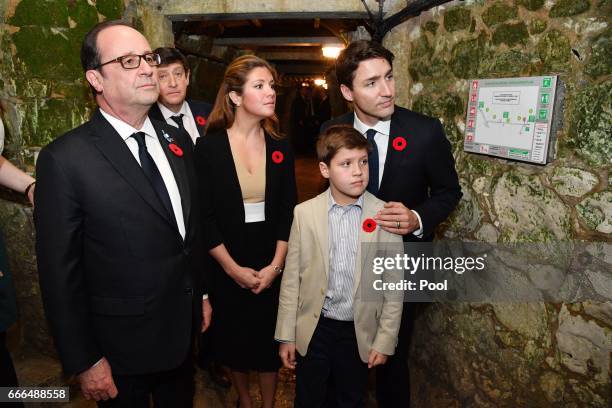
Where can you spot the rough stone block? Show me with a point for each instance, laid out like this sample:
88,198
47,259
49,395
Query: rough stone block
111,9
596,211
510,34
50,13
457,18
554,51
528,319
531,4
498,13
600,62
584,345
591,123
573,182
537,26
566,8
527,211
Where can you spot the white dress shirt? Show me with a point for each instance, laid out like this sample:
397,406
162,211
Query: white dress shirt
381,138
343,232
156,151
188,119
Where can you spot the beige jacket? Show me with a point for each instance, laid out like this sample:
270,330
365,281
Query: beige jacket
377,314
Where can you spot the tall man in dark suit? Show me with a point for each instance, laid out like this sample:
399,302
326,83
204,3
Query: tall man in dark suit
411,167
117,235
172,106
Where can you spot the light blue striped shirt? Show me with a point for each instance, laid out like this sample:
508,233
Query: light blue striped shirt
344,222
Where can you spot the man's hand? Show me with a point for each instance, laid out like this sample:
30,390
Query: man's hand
286,352
266,276
375,358
246,278
393,213
206,314
97,382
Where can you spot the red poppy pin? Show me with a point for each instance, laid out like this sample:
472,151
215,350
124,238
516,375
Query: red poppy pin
277,157
176,150
201,120
399,143
369,225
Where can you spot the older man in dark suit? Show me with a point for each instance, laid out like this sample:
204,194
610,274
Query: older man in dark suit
411,167
173,106
189,115
117,235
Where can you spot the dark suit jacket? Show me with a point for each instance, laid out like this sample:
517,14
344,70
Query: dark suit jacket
221,197
116,276
198,108
422,176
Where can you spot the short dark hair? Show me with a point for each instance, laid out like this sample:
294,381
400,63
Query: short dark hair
351,56
335,138
170,55
90,54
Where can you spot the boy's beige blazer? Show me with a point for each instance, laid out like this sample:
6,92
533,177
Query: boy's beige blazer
304,283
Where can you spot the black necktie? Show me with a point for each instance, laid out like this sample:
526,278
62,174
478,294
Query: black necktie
373,162
153,174
179,120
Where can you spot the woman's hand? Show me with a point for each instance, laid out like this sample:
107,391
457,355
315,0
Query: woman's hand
266,276
246,278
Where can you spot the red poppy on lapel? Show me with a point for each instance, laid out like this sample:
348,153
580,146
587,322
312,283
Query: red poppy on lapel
176,150
369,225
201,120
277,157
399,143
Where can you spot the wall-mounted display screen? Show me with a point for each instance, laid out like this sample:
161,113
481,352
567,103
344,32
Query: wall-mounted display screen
512,118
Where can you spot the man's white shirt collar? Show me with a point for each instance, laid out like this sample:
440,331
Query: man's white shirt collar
167,113
382,126
125,130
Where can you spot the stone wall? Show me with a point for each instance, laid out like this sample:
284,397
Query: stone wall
463,355
43,94
519,354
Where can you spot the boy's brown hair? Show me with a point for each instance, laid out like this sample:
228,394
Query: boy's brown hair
335,138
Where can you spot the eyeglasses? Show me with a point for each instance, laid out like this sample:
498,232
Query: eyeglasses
132,61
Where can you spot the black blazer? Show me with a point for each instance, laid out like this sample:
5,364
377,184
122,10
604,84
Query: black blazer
221,197
200,111
117,278
422,176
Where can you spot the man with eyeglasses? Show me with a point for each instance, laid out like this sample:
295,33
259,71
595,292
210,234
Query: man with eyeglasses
117,231
173,106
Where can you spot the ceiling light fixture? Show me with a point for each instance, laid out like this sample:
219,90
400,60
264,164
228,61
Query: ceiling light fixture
331,51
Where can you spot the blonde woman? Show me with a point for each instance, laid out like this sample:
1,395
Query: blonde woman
247,184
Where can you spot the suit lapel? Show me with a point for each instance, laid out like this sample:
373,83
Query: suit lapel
155,113
199,117
271,173
177,164
113,147
321,225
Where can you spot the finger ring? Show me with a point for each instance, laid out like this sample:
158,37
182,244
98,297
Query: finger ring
398,225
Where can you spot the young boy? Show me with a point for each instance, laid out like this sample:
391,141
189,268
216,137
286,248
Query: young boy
323,314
